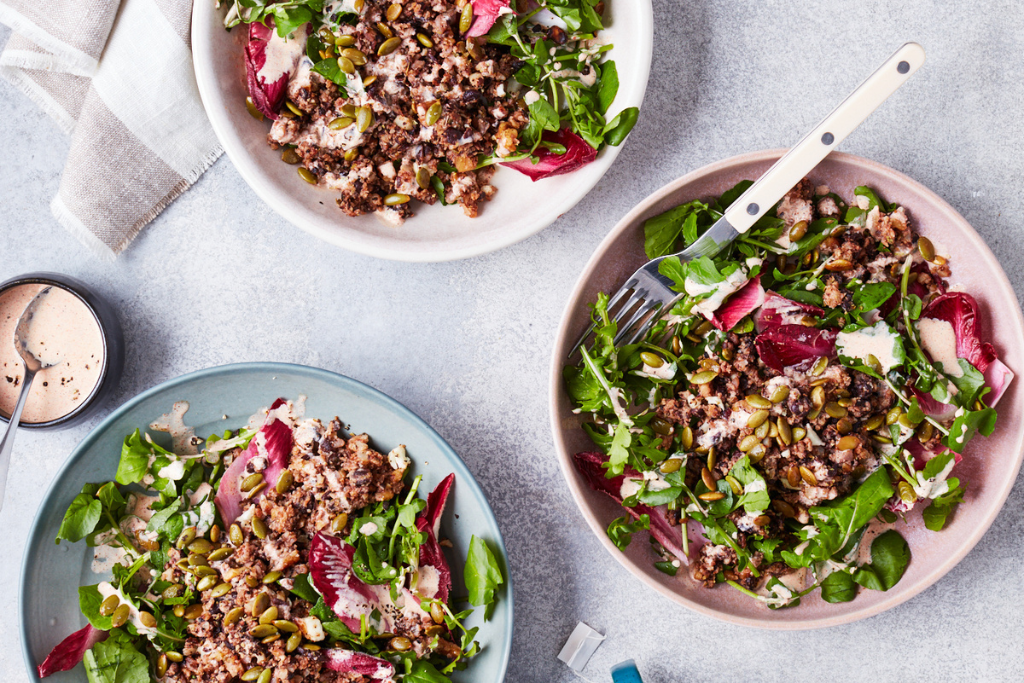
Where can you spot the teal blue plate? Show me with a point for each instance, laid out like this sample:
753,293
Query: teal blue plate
51,574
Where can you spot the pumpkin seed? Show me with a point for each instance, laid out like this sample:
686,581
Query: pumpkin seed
893,416
783,508
747,443
267,674
773,430
396,199
708,478
905,421
294,640
161,665
200,546
797,232
215,533
874,422
785,431
147,619
835,410
734,485
252,674
364,119
818,396
285,625
780,394
204,570
271,577
671,465
174,656
259,528
838,265
763,520
308,176
813,415
425,40
881,438
711,458
357,56
233,616
793,476
939,260
927,249
926,432
341,123
711,496
437,613
757,419
435,630
758,401
179,611
284,482
187,536
727,353
393,11
345,41
351,154
193,612
263,630
251,581
762,431
798,434
369,80
293,109
708,364
651,359
339,523
845,402
253,111
346,65
809,321
389,46
819,366
466,18
220,554
808,476
197,560
206,583
260,604
385,30
220,590
703,377
269,615
686,438
848,443
433,113
173,591
661,426
844,425
907,493
423,176
400,643
109,605
235,534
256,490
757,453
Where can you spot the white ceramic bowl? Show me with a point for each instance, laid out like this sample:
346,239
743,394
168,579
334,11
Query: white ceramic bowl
520,209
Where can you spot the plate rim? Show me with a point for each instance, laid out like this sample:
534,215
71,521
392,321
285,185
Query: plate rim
353,240
577,490
392,404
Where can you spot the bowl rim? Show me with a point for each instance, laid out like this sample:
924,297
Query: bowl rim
391,404
79,290
353,240
580,492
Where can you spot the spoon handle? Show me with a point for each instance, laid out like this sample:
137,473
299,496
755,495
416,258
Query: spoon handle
7,442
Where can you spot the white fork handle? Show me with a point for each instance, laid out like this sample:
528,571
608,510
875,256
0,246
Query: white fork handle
815,146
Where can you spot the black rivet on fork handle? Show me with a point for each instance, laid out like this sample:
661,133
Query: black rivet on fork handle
903,67
827,139
752,209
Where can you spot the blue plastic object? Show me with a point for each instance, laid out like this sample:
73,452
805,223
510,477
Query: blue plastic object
626,672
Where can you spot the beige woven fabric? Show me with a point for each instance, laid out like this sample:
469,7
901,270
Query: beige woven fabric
117,76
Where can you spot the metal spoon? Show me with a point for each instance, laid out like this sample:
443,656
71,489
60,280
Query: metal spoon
32,366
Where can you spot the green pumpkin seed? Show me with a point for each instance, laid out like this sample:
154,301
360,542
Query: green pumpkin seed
881,438
269,615
783,508
263,630
686,438
252,481
200,546
357,57
187,536
833,409
711,458
425,40
293,109
147,619
265,676
797,232
345,41
220,554
339,523
120,616
711,496
433,113
437,613
661,426
651,359
905,421
351,154
369,80
927,249
285,625
161,665
308,176
671,465
294,640
757,419
907,493
747,443
737,489
708,478
251,581
235,534
252,674
359,4
174,656
364,119
400,644
818,396
271,577
396,199
389,46
926,432
205,570
423,176
762,431
757,453
785,431
844,425
198,560
220,590
233,616
798,434
466,18
848,443
260,604
253,111
874,422
845,402
819,366
808,476
179,611
758,401
780,394
893,416
385,30
346,65
703,377
206,583
393,11
109,605
259,528
284,482
173,591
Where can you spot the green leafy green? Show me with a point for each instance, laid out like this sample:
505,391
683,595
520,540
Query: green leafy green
755,500
483,574
621,529
81,518
838,587
890,555
116,660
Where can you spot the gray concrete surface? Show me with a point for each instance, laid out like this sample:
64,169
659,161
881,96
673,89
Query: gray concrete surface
220,278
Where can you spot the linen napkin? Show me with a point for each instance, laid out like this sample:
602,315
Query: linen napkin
117,76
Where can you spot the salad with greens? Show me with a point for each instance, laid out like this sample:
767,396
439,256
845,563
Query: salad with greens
285,550
806,398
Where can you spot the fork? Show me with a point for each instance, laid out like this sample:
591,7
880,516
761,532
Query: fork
650,291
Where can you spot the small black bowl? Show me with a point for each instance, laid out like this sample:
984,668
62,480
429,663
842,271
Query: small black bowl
113,347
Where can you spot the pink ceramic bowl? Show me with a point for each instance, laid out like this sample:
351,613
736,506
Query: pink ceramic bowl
990,465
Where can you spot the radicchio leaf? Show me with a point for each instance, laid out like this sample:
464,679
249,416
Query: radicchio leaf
330,569
276,437
777,311
670,537
348,661
70,651
931,407
743,301
577,154
794,346
913,287
998,377
429,522
961,311
485,13
268,97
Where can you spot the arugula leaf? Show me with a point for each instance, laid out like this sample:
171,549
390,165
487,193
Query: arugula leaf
756,500
81,518
618,452
329,69
970,385
483,575
732,194
939,509
608,87
968,424
134,461
890,555
161,521
304,589
703,271
616,130
544,114
423,671
662,231
621,529
870,296
674,270
288,18
89,599
116,660
838,587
